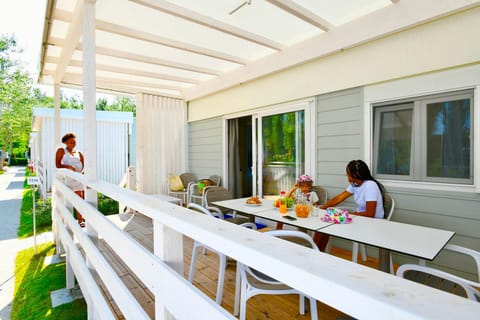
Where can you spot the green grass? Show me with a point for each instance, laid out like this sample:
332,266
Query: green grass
43,210
33,283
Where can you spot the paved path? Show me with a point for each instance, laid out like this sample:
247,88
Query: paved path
11,190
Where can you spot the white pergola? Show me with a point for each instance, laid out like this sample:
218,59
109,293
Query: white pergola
188,49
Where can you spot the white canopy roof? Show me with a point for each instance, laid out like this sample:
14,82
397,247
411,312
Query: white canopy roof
192,48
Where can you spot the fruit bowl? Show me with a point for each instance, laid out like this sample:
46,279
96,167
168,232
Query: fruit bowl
288,201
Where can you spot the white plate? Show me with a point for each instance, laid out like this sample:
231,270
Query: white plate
253,204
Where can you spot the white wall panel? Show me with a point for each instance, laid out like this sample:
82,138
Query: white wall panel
112,135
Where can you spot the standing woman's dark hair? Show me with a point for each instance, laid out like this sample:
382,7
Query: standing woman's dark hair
358,169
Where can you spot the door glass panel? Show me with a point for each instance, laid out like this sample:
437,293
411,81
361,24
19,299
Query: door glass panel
283,143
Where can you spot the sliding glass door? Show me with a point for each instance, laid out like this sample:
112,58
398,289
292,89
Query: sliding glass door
268,150
281,151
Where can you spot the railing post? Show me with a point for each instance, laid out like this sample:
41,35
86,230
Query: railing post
168,245
69,274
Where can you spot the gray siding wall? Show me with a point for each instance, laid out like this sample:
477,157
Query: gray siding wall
340,139
205,147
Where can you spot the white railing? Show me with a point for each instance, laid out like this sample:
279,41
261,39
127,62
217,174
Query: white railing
362,292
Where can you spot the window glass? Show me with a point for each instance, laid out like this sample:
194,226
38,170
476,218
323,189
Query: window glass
395,137
425,139
448,139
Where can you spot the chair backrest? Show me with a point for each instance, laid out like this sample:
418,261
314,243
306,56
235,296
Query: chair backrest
475,255
438,279
216,179
199,208
388,206
321,193
294,236
214,193
187,177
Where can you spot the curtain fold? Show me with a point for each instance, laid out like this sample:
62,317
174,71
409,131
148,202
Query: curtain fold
161,141
234,176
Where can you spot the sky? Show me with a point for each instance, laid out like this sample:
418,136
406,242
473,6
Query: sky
24,20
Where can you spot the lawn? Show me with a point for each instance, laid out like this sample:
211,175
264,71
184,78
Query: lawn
33,283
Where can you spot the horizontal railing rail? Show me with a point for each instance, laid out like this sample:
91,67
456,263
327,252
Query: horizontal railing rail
362,292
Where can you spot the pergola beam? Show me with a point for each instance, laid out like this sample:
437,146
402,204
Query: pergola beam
73,36
129,71
302,13
192,16
141,58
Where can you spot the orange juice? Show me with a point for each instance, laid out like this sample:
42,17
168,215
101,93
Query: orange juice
302,210
283,208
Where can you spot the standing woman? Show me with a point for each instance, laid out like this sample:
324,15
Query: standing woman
71,159
367,193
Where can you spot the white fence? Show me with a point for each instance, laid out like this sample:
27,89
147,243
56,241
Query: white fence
362,292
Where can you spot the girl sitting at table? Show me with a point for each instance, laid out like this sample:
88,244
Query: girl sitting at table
303,188
367,193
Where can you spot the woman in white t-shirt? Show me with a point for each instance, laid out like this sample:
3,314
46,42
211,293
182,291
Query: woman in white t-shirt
367,194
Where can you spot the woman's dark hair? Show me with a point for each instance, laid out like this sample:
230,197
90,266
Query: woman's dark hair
68,136
358,169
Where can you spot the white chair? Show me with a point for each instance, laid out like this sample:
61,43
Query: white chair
443,280
186,178
389,207
251,282
194,193
221,257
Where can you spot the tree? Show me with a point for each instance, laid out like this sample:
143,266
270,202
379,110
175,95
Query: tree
15,100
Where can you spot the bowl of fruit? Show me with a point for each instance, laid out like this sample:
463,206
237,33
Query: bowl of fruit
288,201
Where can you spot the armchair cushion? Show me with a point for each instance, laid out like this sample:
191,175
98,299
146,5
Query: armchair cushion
176,183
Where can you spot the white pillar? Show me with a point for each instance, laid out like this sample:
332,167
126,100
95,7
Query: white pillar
89,102
56,117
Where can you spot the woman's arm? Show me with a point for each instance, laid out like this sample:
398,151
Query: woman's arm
336,200
370,209
82,160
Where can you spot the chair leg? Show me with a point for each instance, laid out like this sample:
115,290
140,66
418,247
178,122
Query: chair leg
221,277
237,292
328,248
392,271
301,303
193,261
313,309
363,252
243,302
355,252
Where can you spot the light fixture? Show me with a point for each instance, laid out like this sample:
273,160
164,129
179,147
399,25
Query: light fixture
239,5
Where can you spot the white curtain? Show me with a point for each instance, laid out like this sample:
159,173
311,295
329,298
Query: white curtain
161,141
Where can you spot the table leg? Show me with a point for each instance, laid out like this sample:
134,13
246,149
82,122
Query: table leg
384,260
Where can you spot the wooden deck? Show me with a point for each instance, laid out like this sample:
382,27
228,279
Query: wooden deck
259,307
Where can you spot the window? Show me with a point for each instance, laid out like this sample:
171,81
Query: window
425,139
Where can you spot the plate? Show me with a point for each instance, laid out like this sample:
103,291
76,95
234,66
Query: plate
253,204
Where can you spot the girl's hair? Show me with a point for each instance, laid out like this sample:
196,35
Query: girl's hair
358,169
68,136
305,179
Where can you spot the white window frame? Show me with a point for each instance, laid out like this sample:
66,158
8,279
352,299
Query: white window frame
428,84
418,156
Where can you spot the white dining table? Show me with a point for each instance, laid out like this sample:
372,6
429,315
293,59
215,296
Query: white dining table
266,210
417,241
